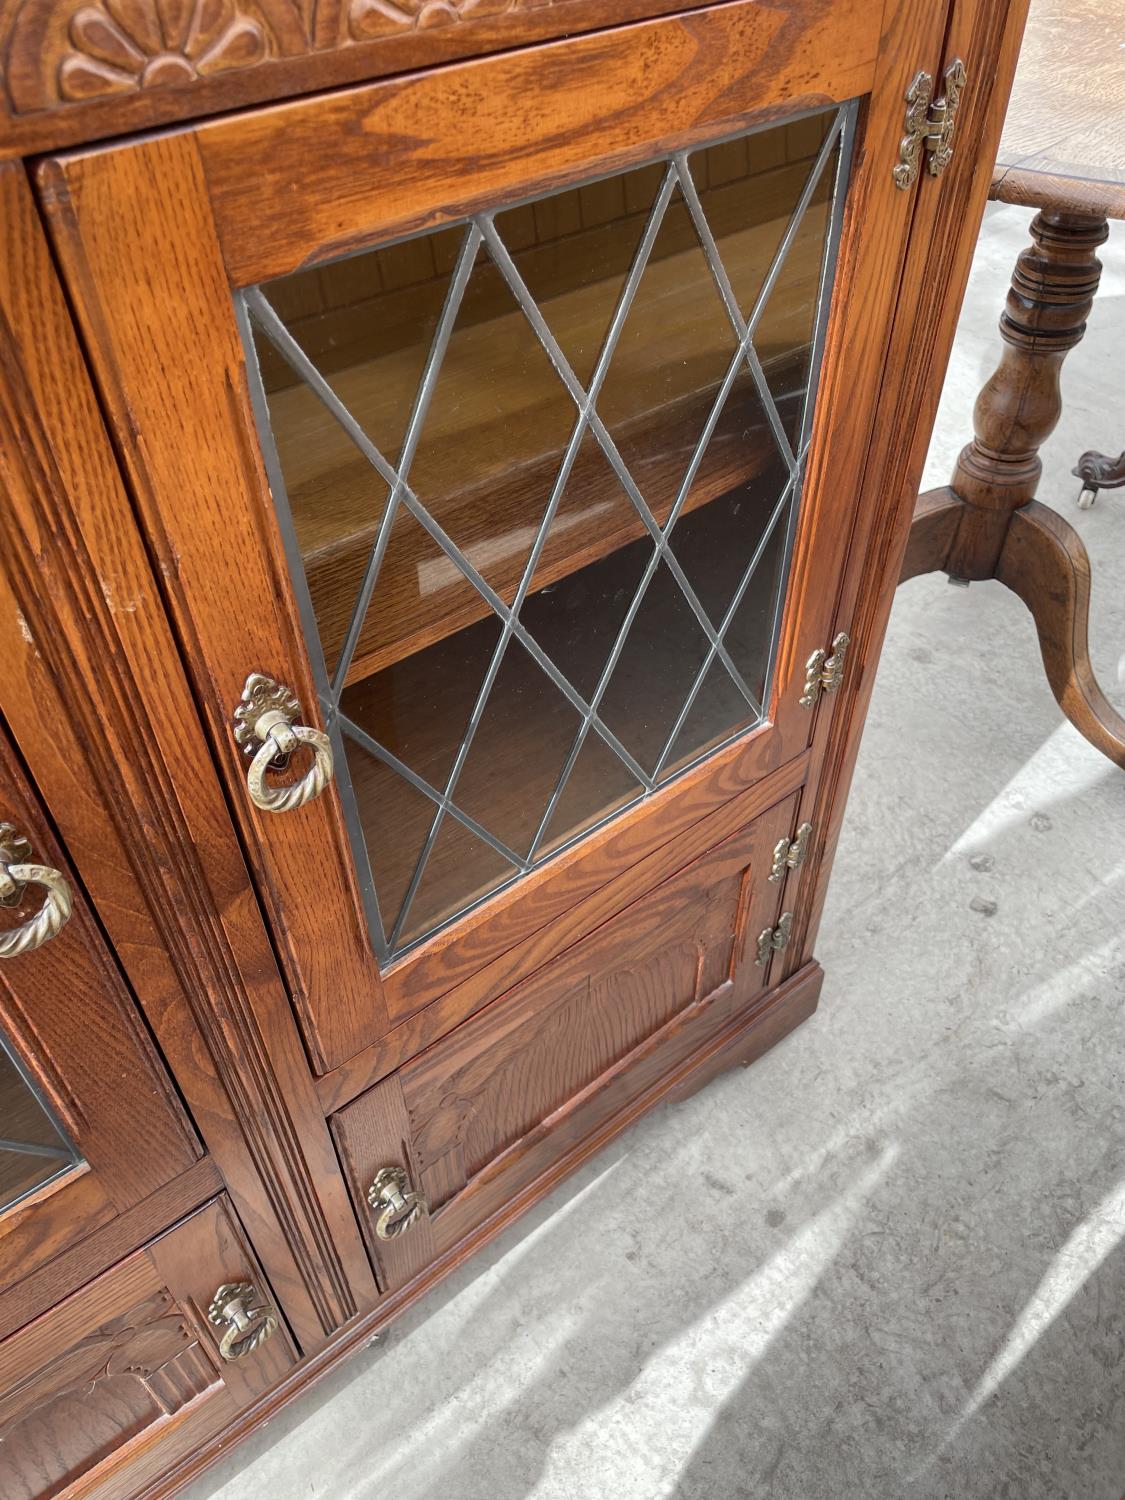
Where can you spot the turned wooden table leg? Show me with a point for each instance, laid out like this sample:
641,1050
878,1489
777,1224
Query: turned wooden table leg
986,524
1048,303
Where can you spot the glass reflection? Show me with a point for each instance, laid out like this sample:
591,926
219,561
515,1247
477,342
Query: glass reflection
33,1149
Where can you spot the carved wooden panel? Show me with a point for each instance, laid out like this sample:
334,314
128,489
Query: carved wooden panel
468,1100
127,1362
107,65
106,1388
68,51
482,1113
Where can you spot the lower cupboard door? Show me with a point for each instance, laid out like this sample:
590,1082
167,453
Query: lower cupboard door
472,1130
107,1391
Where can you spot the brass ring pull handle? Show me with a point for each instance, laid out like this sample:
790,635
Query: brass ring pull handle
246,1322
398,1204
15,873
283,739
264,726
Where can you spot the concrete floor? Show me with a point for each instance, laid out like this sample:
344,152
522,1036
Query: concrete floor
887,1261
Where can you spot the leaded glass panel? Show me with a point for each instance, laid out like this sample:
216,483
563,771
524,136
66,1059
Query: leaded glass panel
33,1148
538,474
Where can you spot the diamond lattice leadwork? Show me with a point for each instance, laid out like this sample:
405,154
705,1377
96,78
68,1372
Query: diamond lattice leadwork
551,576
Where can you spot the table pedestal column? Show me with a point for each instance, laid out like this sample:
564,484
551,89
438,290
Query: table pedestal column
987,523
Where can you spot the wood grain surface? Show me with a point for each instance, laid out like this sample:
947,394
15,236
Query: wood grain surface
400,159
1046,564
594,901
146,270
76,71
36,1291
72,1023
96,698
496,1058
480,1115
1063,144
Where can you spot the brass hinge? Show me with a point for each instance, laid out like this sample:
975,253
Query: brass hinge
929,124
789,854
824,671
772,939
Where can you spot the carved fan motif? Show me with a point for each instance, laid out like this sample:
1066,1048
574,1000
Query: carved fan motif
73,51
124,45
373,18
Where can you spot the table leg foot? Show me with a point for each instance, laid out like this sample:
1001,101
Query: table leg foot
1044,562
1098,471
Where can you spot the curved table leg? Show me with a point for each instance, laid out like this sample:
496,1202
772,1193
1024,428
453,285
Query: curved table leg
937,515
1044,562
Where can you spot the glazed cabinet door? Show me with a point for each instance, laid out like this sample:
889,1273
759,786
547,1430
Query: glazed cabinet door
90,1124
497,430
